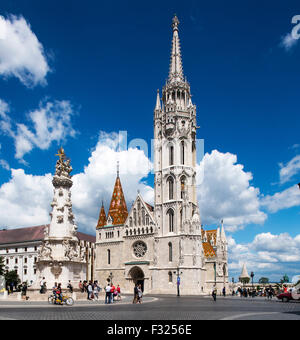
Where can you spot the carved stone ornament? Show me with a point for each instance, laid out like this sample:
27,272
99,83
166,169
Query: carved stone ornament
56,268
45,252
139,249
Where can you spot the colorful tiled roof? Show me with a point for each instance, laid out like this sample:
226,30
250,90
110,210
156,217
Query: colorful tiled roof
118,209
208,250
212,236
102,218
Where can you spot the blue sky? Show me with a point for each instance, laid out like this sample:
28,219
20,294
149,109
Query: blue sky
106,61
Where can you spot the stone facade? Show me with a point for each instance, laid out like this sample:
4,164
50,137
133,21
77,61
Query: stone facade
155,245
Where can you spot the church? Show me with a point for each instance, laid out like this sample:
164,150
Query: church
164,246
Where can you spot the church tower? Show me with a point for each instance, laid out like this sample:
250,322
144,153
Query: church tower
175,148
178,242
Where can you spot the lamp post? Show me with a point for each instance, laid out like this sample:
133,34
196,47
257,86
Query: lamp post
252,276
178,280
111,277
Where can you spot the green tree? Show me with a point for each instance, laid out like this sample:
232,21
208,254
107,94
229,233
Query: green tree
263,280
285,279
2,265
245,280
12,277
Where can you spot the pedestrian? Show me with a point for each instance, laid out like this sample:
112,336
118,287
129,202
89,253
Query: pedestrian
54,289
70,287
214,293
140,294
107,294
90,291
96,290
135,294
112,291
24,291
80,286
42,285
224,291
119,292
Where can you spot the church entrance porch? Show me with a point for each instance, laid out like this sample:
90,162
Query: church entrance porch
137,275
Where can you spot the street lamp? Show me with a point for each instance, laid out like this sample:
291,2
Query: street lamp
111,277
178,280
252,276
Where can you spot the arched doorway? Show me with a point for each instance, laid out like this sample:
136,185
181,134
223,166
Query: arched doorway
137,275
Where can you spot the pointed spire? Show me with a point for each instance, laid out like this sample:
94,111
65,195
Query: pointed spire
102,218
176,70
118,209
158,106
244,273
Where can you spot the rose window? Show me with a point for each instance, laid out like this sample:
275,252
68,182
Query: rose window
139,249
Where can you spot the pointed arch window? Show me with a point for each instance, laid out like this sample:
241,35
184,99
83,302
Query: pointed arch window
108,256
170,277
171,155
170,214
170,252
182,153
182,186
171,188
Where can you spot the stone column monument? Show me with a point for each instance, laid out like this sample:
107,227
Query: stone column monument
60,258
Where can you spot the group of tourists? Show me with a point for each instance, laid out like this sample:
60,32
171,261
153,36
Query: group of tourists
112,293
91,288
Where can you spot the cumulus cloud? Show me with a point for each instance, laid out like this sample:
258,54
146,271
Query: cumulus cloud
225,192
90,187
288,171
21,54
267,255
50,122
285,199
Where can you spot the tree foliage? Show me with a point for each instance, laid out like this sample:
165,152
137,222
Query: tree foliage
263,280
12,277
285,279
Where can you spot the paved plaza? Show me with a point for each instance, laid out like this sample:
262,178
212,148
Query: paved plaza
156,308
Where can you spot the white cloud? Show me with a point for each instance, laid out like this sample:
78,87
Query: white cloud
4,164
226,193
50,122
289,170
267,255
90,187
21,53
282,200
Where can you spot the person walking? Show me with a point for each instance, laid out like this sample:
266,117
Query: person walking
70,287
107,294
135,294
24,291
90,291
214,293
80,286
112,291
140,294
119,292
224,291
42,285
96,291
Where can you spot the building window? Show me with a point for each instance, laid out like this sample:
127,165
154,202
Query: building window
7,261
34,271
35,260
16,250
182,185
7,250
108,256
170,277
182,152
25,260
171,155
35,248
16,261
171,188
25,249
170,252
25,271
170,214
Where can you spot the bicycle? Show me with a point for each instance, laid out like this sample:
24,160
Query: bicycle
66,300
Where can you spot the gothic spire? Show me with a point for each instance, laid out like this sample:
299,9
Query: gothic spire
102,218
118,209
158,105
176,70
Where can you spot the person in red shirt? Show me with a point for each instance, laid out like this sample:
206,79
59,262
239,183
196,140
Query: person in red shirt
119,292
113,288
